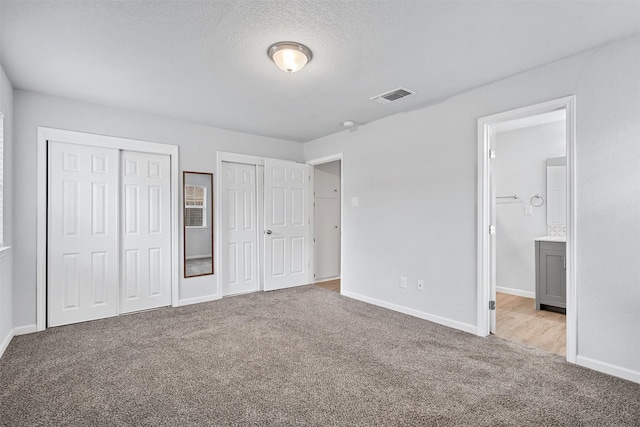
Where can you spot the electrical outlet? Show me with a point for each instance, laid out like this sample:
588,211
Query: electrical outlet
403,282
421,285
528,210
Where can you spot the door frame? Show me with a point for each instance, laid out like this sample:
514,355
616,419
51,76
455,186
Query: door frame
46,134
312,256
486,135
223,156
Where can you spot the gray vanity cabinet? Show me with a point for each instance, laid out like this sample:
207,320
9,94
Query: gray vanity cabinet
551,274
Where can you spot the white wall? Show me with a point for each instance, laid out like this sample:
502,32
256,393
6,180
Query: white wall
6,274
521,168
198,146
416,178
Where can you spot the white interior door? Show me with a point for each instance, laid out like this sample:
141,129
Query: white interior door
82,253
493,267
145,276
239,228
286,214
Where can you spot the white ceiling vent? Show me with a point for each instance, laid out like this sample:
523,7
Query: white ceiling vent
394,95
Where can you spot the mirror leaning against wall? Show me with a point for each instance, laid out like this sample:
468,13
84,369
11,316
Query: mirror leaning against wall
198,223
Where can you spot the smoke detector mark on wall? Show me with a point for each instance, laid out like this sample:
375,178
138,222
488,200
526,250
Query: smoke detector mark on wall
394,95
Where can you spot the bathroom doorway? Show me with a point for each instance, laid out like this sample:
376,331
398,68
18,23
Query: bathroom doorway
530,219
526,239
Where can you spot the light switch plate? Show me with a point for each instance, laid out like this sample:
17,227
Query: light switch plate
528,210
354,201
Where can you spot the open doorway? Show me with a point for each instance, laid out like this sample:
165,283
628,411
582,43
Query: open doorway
327,222
529,181
526,239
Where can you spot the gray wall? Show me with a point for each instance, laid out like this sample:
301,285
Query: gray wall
6,278
198,146
520,168
416,178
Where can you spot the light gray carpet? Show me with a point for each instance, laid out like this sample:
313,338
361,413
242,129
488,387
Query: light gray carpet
304,356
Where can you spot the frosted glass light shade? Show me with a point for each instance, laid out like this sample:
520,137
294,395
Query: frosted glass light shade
289,56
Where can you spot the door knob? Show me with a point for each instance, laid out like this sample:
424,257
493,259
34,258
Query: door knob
268,231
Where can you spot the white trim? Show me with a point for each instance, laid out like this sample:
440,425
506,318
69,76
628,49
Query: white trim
325,159
5,343
260,211
485,125
247,159
4,249
465,327
24,330
315,162
196,300
516,292
48,134
608,368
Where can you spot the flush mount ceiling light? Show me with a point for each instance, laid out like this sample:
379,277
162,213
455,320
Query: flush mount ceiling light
289,56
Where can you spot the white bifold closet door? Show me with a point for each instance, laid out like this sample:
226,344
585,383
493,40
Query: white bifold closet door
82,264
145,273
108,246
239,228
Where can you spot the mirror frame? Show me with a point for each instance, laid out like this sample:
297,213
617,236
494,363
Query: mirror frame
184,226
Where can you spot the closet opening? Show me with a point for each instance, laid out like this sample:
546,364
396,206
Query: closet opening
107,226
327,222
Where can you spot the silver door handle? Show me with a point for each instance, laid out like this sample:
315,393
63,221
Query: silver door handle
268,231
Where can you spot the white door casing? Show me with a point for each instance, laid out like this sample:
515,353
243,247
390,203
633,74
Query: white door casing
82,233
286,225
239,228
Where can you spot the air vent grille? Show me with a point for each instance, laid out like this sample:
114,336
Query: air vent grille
394,95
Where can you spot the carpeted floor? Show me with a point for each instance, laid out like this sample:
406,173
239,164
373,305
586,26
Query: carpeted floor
303,356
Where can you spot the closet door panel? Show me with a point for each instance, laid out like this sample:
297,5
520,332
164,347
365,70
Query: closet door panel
146,235
82,252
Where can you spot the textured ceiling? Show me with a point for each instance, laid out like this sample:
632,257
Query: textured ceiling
206,61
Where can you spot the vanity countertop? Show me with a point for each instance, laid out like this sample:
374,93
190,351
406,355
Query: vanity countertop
551,239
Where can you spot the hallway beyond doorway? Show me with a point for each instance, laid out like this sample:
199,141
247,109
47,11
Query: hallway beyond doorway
332,285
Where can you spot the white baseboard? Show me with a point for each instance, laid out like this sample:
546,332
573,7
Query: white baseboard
466,327
196,300
5,343
608,368
516,292
23,330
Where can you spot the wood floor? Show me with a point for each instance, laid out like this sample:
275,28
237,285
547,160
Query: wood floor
518,320
332,285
